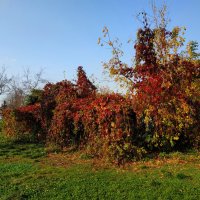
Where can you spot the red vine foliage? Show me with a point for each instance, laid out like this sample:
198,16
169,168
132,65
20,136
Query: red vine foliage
75,114
163,84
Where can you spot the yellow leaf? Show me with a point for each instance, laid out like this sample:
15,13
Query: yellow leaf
176,138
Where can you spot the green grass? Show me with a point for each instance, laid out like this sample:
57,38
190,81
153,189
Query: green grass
27,172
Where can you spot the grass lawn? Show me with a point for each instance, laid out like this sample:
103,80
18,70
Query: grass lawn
27,172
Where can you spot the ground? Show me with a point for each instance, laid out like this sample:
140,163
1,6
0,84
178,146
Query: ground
28,172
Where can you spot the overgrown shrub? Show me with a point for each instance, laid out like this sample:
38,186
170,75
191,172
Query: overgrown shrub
23,123
74,114
110,125
10,128
104,125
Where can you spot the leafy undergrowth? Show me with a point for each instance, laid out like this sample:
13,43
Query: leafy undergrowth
27,172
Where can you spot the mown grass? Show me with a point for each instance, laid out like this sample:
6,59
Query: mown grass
27,172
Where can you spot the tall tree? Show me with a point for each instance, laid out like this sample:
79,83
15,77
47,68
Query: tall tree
161,81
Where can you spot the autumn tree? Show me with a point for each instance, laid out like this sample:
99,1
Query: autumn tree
163,82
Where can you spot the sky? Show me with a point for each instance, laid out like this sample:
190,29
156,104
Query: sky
60,35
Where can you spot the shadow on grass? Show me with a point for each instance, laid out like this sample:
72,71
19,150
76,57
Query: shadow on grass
20,148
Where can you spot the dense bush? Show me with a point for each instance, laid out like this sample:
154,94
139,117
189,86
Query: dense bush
69,114
23,123
9,126
105,125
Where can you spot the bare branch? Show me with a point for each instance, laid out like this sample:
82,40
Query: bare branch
32,81
21,86
4,81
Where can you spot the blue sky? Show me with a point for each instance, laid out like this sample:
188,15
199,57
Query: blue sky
60,35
